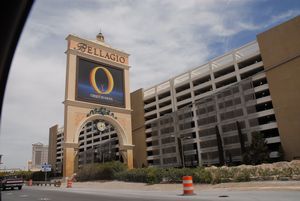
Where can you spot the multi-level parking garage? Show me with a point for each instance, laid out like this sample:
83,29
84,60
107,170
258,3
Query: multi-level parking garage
55,153
228,95
59,150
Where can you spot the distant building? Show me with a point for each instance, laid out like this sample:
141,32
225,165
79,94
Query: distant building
55,154
39,155
29,165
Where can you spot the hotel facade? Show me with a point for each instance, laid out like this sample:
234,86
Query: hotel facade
184,121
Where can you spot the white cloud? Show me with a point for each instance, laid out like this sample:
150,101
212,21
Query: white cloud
283,16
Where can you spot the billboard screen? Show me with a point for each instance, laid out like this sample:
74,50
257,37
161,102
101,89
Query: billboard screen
98,83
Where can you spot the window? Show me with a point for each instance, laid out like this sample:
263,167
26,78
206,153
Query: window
201,80
207,132
209,143
149,100
207,120
202,90
169,150
167,140
170,160
224,71
182,88
232,114
164,95
232,126
249,61
226,82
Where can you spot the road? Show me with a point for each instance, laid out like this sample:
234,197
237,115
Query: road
63,194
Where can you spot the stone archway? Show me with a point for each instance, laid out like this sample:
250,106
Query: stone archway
124,145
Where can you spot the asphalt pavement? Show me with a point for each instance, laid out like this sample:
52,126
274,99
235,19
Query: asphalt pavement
81,194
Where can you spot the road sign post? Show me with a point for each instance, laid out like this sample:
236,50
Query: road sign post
46,168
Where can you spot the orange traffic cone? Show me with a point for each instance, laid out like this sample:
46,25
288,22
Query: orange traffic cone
188,188
69,183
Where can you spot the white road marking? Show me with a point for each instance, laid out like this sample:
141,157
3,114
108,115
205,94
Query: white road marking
9,193
44,199
23,196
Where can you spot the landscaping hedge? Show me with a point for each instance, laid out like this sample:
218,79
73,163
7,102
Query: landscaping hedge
100,171
213,175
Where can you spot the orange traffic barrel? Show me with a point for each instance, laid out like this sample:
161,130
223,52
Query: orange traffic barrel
188,188
69,183
30,182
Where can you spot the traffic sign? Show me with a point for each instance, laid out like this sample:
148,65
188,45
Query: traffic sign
46,167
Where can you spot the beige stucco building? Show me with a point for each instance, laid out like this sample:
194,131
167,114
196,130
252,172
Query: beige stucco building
280,51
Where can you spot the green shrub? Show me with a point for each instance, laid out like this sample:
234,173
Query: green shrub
296,170
264,172
106,171
149,175
286,172
216,176
201,175
174,175
133,175
242,175
26,175
253,171
152,175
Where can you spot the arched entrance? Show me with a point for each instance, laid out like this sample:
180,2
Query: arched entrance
98,143
124,148
108,139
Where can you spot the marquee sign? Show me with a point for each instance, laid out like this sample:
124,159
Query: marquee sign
98,83
102,53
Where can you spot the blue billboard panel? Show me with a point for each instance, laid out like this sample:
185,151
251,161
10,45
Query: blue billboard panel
99,83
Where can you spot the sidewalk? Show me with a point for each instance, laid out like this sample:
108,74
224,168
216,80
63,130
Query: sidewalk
263,185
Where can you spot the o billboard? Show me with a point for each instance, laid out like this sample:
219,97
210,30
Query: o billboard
99,83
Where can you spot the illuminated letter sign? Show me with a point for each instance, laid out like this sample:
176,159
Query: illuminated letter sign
99,83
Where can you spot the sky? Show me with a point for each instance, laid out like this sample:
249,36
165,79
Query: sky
163,37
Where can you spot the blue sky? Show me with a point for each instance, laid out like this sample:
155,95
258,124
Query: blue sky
165,38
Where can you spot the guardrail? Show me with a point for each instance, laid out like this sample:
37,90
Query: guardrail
45,183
